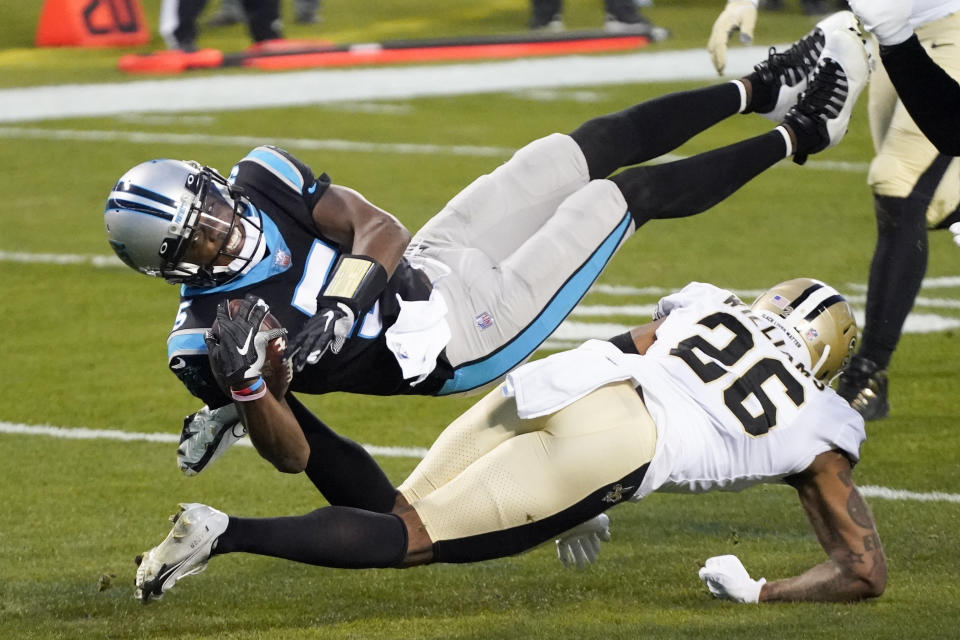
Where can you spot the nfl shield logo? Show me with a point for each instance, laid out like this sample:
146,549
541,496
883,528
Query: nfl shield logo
484,320
282,258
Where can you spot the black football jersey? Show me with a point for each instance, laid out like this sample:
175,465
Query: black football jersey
289,278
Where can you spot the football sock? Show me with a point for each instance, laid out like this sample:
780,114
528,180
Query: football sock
544,11
338,537
899,263
650,129
763,96
744,100
186,30
263,19
692,185
341,469
896,272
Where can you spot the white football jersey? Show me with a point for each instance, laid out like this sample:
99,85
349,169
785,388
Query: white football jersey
731,408
925,11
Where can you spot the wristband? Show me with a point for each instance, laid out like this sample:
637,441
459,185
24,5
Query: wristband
254,392
357,280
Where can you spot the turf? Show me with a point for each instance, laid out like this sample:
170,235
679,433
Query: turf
84,347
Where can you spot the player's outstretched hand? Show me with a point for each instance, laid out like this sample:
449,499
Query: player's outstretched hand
326,331
738,15
955,230
726,578
580,546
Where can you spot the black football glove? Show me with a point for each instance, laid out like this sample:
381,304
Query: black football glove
239,348
325,331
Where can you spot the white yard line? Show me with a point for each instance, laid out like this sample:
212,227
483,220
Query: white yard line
885,493
248,142
80,433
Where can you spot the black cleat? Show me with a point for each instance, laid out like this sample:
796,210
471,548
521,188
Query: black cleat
864,385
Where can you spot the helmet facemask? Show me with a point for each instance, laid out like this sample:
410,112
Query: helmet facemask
210,208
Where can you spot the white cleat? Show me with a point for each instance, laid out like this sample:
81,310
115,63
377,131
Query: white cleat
821,116
206,435
184,552
790,71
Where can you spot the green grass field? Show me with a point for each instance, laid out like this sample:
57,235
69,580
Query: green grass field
86,349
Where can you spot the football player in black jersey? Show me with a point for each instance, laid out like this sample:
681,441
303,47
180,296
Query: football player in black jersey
473,293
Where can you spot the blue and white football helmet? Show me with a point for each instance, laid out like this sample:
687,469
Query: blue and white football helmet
157,207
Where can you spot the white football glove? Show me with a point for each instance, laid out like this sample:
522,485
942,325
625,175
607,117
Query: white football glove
738,15
726,578
206,435
889,20
580,546
955,230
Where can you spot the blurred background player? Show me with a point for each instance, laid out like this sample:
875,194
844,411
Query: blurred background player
712,395
915,186
929,93
621,16
178,21
231,12
808,7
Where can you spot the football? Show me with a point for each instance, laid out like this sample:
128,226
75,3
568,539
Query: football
277,371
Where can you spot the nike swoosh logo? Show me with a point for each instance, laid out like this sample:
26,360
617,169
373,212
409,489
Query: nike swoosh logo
937,45
246,345
178,363
312,188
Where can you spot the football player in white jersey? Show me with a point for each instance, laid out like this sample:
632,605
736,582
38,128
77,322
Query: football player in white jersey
929,92
915,176
712,395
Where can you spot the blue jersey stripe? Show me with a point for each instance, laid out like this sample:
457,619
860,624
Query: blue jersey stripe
186,343
480,372
278,165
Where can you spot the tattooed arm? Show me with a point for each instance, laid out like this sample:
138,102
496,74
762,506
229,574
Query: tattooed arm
857,566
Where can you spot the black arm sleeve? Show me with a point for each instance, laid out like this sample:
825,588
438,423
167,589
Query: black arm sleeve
930,95
625,343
